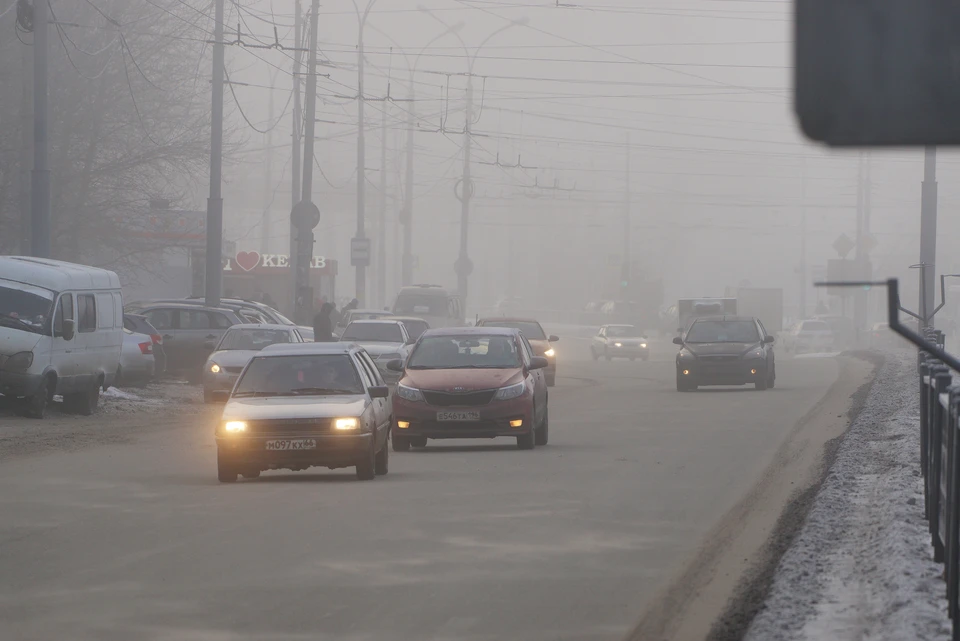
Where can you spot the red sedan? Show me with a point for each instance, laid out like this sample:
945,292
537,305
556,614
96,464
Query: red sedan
478,382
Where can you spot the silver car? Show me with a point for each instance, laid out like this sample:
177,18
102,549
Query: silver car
620,341
384,340
304,405
234,350
137,364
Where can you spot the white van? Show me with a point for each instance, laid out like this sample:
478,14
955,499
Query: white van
432,303
61,332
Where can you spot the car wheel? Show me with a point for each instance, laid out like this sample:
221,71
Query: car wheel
543,431
84,403
400,443
382,460
226,473
607,356
761,383
252,473
773,379
527,441
593,353
681,384
366,466
36,405
418,441
645,357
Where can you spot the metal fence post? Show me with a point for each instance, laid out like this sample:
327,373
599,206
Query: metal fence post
924,433
939,381
953,522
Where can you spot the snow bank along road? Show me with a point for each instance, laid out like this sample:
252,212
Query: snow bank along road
647,504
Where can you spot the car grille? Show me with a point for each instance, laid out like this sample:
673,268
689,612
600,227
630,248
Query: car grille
233,370
718,359
459,399
290,426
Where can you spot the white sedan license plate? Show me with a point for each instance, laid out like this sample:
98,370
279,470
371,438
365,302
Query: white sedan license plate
458,416
291,444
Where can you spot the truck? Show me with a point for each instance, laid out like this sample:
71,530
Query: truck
689,309
765,304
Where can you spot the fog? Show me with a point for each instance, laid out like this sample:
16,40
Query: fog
677,114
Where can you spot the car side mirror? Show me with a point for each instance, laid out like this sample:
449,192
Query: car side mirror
395,365
768,340
538,362
209,345
69,329
411,341
677,340
380,391
553,339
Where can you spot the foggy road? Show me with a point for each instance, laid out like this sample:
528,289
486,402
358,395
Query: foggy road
470,541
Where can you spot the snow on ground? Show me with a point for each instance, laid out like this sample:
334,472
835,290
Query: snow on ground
862,566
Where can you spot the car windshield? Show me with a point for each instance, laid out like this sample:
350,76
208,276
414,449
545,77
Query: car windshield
415,328
530,329
301,375
252,339
623,331
421,304
26,308
721,331
814,326
459,352
373,333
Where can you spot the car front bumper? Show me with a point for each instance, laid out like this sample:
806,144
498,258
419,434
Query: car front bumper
736,372
626,351
494,419
332,450
222,382
19,383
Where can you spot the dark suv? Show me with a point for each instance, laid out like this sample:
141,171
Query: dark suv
725,350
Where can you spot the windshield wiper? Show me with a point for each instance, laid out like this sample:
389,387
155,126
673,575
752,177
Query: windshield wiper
249,394
317,390
19,323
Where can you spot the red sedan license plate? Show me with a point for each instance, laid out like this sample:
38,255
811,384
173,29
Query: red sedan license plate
291,444
458,416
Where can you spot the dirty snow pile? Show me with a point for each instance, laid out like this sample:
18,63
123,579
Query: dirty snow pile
862,565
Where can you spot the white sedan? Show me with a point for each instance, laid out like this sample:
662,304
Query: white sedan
384,340
237,346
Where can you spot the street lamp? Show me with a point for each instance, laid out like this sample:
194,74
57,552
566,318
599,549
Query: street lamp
361,263
464,266
406,215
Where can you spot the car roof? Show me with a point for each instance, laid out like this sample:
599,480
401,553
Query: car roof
277,326
369,311
56,275
430,290
183,306
472,331
404,319
507,319
376,321
725,318
621,325
306,349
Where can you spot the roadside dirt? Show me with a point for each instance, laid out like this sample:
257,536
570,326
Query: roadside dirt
122,414
719,591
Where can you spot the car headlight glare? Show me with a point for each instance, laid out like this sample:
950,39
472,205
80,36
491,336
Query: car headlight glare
234,426
411,394
215,368
550,353
510,392
20,361
618,344
346,423
643,346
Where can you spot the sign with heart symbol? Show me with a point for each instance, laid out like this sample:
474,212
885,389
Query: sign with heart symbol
248,260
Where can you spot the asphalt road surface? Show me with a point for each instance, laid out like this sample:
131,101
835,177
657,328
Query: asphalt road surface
464,540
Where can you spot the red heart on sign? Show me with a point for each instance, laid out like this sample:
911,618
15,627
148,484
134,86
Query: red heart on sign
248,260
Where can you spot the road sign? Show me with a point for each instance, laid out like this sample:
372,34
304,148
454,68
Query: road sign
305,215
360,252
843,245
868,243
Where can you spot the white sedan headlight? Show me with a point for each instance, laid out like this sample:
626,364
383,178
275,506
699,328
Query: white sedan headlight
510,392
234,427
618,344
550,353
411,394
346,423
214,368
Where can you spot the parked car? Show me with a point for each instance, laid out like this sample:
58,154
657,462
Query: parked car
384,340
137,363
476,382
297,406
234,350
620,341
187,330
843,331
351,315
249,310
61,332
140,324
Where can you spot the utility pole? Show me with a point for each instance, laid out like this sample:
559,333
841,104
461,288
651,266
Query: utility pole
305,215
625,272
406,215
803,240
40,178
397,203
214,258
268,177
361,265
463,267
26,148
382,231
928,235
297,118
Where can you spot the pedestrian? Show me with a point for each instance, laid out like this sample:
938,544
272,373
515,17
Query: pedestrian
334,315
322,325
351,305
267,300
